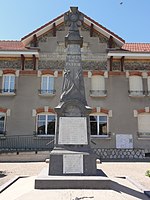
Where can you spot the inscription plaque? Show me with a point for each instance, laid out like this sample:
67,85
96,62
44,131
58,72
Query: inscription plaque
72,130
72,163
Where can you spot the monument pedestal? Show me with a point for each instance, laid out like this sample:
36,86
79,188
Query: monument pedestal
69,162
44,181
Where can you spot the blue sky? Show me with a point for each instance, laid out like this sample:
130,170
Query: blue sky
131,20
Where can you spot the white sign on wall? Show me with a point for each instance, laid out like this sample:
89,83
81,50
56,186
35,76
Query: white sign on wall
124,141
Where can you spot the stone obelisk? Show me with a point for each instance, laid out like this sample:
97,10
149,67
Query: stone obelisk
72,154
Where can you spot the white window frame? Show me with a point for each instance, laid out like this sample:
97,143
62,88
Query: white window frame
98,87
136,86
101,115
3,114
48,91
9,84
46,123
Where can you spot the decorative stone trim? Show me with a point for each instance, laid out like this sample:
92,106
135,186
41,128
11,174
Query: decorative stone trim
8,112
55,73
60,73
135,73
85,73
42,110
47,72
89,74
5,110
144,74
102,110
9,71
28,72
140,111
135,113
116,73
96,73
119,154
1,72
148,73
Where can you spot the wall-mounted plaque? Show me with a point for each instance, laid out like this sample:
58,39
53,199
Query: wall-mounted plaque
72,163
124,141
72,130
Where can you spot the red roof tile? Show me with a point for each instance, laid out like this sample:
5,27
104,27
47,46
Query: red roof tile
137,47
11,45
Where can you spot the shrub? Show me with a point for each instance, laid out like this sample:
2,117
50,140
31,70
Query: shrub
147,173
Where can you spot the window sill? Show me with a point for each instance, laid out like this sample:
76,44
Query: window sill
101,136
47,95
8,94
2,137
136,95
43,136
143,136
98,93
98,96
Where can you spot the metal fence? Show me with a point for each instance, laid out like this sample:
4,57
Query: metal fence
25,143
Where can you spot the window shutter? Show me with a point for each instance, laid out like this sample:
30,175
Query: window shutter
97,83
135,83
144,123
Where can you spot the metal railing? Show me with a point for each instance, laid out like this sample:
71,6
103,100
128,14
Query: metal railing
98,93
44,92
7,90
143,134
136,92
25,143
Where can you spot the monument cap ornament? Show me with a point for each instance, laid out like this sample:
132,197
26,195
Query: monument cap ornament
73,19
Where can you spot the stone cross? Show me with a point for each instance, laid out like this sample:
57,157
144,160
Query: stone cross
73,19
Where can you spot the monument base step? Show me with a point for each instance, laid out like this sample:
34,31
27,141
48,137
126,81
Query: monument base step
45,181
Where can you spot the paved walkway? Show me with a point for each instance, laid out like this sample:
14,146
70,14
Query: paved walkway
23,189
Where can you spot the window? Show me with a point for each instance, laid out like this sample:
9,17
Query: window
47,84
45,124
2,123
135,86
98,86
99,125
8,83
144,124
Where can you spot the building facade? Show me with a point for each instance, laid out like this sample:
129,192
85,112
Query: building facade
117,84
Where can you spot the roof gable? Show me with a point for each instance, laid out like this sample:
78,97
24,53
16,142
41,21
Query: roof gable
60,20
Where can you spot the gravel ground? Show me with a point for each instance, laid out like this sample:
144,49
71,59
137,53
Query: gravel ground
135,171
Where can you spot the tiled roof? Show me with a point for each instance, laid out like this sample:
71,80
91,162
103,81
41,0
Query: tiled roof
11,45
137,47
18,45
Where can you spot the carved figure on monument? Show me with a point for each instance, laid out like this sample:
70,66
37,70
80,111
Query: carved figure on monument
73,84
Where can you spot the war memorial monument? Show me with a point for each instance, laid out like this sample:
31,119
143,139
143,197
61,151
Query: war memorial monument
72,162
